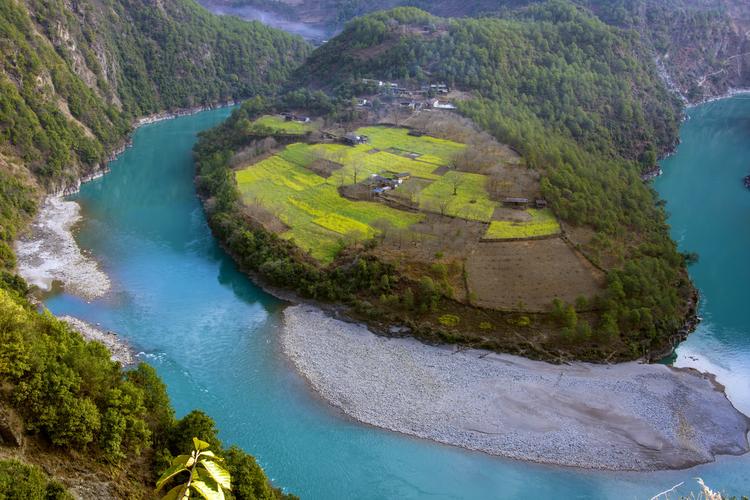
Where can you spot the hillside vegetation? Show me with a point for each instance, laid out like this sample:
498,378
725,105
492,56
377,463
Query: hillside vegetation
584,106
73,78
701,44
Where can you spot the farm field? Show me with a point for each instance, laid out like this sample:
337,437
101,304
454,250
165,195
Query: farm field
541,223
432,150
299,187
318,217
471,201
280,125
503,275
359,158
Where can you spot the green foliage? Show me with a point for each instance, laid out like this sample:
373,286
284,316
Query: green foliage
195,423
249,482
449,320
205,475
67,389
584,105
158,57
21,481
159,411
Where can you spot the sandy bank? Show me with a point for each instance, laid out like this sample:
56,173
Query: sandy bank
623,417
49,253
120,350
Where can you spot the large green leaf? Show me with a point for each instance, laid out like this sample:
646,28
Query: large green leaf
169,474
179,492
218,473
207,487
200,445
186,460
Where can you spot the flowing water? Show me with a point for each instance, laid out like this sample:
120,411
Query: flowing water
212,334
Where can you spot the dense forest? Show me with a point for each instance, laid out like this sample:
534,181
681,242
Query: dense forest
701,44
580,100
74,77
72,396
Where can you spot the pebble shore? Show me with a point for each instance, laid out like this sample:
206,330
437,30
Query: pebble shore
628,416
120,350
49,253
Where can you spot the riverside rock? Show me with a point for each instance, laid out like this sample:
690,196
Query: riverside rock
629,416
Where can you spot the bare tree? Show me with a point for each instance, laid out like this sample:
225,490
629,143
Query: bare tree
443,205
456,182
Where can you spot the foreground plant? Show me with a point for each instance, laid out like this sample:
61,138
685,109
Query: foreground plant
205,475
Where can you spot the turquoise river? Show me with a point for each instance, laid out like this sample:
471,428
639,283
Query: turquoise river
212,334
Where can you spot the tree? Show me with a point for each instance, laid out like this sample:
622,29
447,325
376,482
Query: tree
204,475
456,181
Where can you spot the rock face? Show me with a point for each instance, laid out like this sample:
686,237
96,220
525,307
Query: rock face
623,417
11,428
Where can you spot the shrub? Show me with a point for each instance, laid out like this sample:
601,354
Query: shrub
449,320
18,480
523,321
485,325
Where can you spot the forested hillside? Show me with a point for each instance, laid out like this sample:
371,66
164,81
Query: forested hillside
74,76
583,104
702,45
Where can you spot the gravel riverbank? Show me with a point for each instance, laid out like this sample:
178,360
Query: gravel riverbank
120,350
623,417
49,253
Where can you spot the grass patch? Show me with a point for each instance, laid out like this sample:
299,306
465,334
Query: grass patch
542,223
471,200
280,125
433,150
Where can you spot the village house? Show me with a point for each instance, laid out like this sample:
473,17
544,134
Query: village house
380,184
291,117
402,177
438,104
353,139
519,203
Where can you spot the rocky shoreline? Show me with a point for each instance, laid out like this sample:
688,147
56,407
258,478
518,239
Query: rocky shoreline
48,253
623,417
121,351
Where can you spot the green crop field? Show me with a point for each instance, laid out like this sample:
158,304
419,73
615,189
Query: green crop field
280,125
318,217
437,151
471,200
542,223
357,158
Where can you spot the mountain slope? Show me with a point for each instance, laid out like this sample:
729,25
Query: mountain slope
583,104
703,45
73,77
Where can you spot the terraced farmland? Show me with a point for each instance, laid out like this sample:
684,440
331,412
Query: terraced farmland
300,187
318,217
470,201
279,124
432,150
541,223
